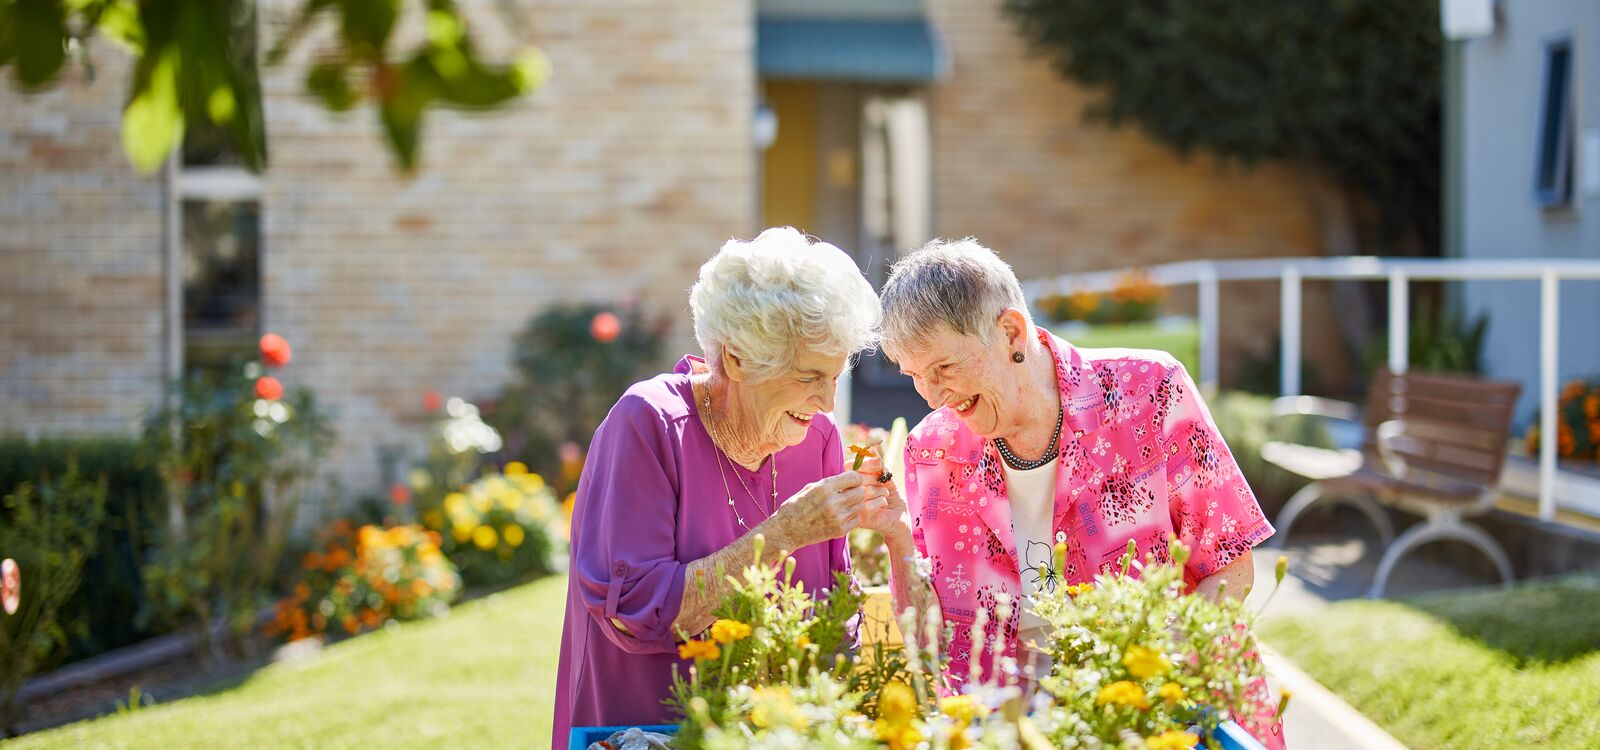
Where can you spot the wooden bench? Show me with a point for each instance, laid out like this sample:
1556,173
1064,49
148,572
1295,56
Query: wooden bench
1433,445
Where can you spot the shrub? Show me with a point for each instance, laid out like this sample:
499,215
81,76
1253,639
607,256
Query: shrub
1134,299
1577,422
364,578
572,364
502,528
236,450
97,614
50,529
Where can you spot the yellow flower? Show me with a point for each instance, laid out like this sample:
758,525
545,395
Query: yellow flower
897,702
516,468
774,706
962,709
514,534
803,641
371,537
485,538
481,501
727,631
455,504
1144,663
699,650
1122,693
433,519
461,533
1172,739
1171,692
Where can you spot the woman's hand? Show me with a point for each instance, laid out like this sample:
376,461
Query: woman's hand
825,509
886,515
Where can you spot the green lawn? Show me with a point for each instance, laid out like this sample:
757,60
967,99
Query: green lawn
1491,668
482,677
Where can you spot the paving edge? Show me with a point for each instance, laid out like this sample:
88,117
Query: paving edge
1313,695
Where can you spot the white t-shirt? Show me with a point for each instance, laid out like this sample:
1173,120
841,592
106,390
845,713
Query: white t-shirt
1032,494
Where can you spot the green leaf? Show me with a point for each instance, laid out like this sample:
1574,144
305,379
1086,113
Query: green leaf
36,35
152,125
329,81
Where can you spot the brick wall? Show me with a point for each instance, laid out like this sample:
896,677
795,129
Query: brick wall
616,180
81,259
1016,166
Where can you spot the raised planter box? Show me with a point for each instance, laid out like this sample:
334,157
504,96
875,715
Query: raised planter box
1230,735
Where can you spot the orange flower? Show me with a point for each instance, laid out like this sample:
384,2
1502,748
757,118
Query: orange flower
605,327
268,387
862,453
275,350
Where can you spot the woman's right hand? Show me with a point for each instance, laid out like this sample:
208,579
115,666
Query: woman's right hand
826,509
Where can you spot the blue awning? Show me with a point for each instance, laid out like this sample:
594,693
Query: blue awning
828,43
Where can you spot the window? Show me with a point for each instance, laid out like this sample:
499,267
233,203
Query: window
221,281
214,240
1552,186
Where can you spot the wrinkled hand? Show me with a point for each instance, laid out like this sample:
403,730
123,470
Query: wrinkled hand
826,509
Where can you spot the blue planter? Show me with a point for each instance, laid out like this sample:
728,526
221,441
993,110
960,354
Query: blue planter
1231,735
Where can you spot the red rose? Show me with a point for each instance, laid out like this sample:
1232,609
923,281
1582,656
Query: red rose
605,327
10,585
275,350
269,388
432,401
400,494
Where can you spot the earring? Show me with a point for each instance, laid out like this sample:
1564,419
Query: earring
1017,357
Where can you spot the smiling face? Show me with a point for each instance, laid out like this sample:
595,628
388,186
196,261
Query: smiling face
978,381
779,410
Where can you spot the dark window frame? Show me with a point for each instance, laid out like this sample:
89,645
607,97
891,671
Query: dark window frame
1553,159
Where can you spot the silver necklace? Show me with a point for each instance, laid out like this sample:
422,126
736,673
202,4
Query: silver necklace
1050,453
716,442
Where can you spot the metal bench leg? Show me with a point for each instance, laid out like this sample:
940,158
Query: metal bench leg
1438,528
1314,493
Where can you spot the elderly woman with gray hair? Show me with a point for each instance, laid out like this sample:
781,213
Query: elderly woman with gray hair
1035,442
689,466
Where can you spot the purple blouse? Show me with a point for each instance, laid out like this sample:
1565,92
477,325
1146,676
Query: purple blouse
651,501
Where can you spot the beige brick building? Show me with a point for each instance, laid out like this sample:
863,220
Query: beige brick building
615,180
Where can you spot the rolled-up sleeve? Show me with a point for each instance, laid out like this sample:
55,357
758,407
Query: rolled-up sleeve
1214,512
624,536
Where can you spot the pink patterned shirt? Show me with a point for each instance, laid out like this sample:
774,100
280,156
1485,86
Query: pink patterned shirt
1140,459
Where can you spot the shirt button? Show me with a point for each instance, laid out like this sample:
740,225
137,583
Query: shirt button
619,569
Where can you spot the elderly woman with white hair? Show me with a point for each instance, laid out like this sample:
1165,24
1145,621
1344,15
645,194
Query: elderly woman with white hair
691,465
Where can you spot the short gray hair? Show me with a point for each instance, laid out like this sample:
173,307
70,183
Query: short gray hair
769,296
958,283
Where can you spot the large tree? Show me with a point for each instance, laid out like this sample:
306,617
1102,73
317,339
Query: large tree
1348,88
196,65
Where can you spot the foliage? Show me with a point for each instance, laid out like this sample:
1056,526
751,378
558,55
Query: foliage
457,443
1577,422
1137,654
195,64
1351,87
1136,660
1442,341
236,458
50,529
502,528
1261,372
1134,299
96,616
572,362
1247,422
364,578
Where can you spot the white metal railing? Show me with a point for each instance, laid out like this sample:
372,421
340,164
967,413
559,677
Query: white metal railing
1208,275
